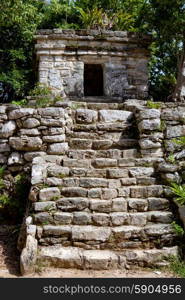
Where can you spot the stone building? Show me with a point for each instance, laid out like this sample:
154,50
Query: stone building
85,63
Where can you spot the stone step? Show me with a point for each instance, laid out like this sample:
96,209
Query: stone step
73,257
103,219
110,153
106,127
97,99
98,205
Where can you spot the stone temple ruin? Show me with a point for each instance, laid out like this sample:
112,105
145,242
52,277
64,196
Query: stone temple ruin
93,63
98,158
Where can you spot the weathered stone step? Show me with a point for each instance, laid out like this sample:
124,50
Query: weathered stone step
110,153
96,99
103,219
107,127
73,257
106,205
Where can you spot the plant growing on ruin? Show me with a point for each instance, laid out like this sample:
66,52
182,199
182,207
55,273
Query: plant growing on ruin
151,104
40,90
180,141
177,266
2,169
171,158
178,229
179,192
21,103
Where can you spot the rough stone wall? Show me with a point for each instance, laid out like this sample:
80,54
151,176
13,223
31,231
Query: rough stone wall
124,56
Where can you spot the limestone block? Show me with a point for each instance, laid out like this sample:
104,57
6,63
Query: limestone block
51,112
138,219
76,163
148,144
95,193
3,109
93,182
103,163
120,218
3,159
86,116
38,174
52,122
124,192
114,115
100,260
28,256
150,125
20,112
15,158
43,217
158,204
59,230
29,132
109,193
80,144
48,194
30,123
138,205
119,205
74,192
117,173
72,204
53,131
29,156
101,219
167,167
128,181
26,144
158,229
126,232
55,170
81,218
175,131
7,129
88,233
54,181
149,114
160,217
102,144
57,148
141,171
63,218
101,205
44,206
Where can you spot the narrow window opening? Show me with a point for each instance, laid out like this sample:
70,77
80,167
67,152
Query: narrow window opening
93,80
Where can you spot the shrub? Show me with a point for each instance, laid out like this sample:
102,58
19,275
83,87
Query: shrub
151,104
179,192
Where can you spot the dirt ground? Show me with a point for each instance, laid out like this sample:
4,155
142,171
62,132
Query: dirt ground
9,264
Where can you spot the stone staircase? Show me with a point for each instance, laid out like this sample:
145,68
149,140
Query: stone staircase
101,205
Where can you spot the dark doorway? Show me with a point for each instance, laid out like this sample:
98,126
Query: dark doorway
93,80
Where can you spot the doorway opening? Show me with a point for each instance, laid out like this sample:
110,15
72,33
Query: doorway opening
93,80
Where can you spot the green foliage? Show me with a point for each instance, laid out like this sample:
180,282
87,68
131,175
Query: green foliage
180,141
40,90
22,102
4,200
171,158
179,192
151,104
2,170
2,185
177,266
178,229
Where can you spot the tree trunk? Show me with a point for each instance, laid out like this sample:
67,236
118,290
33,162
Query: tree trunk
179,93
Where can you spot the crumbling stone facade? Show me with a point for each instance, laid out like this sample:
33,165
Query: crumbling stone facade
65,55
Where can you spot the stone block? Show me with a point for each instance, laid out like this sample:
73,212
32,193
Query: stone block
90,233
81,218
101,219
141,171
43,218
138,219
109,194
117,173
128,181
63,218
101,205
102,144
44,206
100,260
57,148
59,230
93,182
25,143
86,116
149,125
95,193
149,114
138,205
120,218
119,205
72,204
7,129
158,204
80,144
55,170
104,163
20,112
114,116
175,131
48,194
30,123
51,112
54,138
124,192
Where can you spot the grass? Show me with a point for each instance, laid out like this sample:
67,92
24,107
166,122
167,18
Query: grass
151,104
177,266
